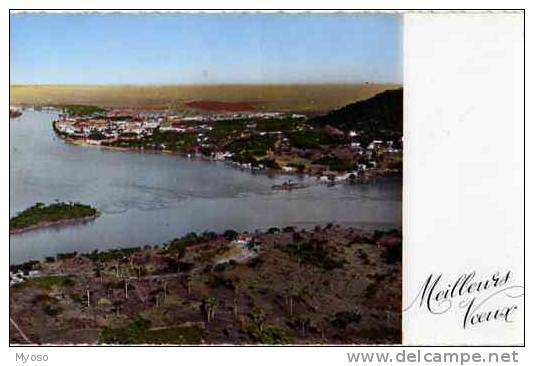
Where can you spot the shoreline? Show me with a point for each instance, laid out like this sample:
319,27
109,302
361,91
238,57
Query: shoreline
46,224
268,171
252,231
104,291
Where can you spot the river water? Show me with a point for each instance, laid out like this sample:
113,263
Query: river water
150,198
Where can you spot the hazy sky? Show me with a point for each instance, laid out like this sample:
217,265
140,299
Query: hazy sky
207,49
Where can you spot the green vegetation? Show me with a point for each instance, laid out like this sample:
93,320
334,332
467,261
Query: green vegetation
47,282
75,110
110,254
291,292
97,135
308,144
69,255
41,213
179,244
335,164
269,163
255,145
269,335
26,266
379,117
215,281
174,335
344,318
77,298
310,139
224,131
138,332
260,332
175,266
159,140
277,124
51,309
393,254
225,127
129,334
230,234
313,253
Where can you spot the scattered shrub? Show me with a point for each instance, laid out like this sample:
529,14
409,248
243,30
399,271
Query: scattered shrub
344,318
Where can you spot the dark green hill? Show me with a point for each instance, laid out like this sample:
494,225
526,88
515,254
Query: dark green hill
379,117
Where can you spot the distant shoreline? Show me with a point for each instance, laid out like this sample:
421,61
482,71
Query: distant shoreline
180,154
269,171
282,97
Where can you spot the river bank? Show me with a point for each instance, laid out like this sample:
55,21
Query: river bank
329,177
333,147
151,197
209,288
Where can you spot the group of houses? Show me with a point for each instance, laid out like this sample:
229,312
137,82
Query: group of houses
19,276
101,128
117,124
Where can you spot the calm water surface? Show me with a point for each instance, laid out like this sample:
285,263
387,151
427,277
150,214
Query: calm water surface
149,198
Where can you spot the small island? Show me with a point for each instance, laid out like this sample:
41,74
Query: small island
59,213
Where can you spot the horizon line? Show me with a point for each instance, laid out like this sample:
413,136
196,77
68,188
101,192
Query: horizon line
211,84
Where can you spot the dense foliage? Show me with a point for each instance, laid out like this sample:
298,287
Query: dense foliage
310,139
74,110
379,116
139,332
179,244
159,140
313,253
110,254
277,124
263,333
255,145
41,213
393,254
344,318
335,164
47,282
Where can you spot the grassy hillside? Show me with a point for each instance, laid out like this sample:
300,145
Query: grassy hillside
326,285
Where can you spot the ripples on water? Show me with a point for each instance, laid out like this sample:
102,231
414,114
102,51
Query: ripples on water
149,198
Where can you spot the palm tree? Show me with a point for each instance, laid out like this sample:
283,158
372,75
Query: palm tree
258,318
126,283
164,291
236,298
211,304
291,295
304,323
291,303
188,284
117,303
88,293
236,303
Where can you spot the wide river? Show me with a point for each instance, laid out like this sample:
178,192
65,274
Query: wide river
150,198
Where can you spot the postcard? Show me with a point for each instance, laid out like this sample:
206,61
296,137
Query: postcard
259,178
